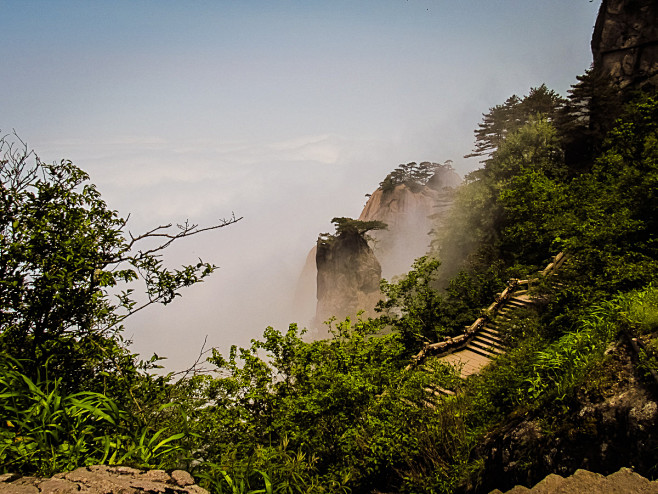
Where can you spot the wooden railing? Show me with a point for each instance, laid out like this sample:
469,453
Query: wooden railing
449,345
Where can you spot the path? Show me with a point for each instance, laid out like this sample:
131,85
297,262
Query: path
481,341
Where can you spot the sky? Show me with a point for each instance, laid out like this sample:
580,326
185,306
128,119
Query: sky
283,112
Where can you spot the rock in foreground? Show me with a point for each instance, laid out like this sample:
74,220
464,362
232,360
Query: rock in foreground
585,482
101,479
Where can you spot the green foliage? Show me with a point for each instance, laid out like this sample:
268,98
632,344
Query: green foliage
593,105
72,392
412,305
268,469
640,317
502,120
609,219
412,174
45,431
534,146
348,226
267,412
641,311
508,210
62,252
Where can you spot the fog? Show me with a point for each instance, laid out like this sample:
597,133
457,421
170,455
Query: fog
284,113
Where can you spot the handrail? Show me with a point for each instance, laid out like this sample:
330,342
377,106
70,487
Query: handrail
448,344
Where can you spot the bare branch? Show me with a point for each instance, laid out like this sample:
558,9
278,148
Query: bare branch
186,230
193,369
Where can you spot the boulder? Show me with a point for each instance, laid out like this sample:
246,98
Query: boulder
102,479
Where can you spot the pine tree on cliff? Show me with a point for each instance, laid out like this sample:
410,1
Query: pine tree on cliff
594,105
502,120
349,226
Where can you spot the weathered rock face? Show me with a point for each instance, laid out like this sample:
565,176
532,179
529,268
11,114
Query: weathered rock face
625,42
603,432
305,301
102,479
410,213
585,482
348,277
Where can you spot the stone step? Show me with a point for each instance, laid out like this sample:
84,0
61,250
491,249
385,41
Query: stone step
487,340
482,351
504,315
468,361
485,348
515,302
492,334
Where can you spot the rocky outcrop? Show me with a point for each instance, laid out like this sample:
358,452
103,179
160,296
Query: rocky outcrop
411,211
585,482
625,42
101,479
348,275
602,431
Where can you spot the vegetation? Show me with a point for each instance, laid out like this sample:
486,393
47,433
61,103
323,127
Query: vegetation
342,414
504,119
349,226
413,175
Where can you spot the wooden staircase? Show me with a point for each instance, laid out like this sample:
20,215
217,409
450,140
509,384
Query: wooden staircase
482,341
487,343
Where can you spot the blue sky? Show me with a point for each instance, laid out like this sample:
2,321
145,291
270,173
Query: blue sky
286,112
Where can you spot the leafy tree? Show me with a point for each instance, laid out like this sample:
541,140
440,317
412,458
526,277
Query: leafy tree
314,397
412,174
346,227
593,105
62,253
413,305
504,119
612,222
535,145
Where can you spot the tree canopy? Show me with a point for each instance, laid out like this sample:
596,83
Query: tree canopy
64,253
412,174
348,226
503,119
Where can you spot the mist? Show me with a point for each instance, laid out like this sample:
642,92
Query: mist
286,116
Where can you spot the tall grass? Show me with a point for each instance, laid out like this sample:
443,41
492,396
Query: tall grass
43,431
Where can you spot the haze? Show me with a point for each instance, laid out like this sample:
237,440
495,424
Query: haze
285,112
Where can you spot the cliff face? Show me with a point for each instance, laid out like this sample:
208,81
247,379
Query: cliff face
348,275
603,431
410,213
625,42
348,269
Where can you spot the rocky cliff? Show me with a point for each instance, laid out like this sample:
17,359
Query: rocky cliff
348,275
625,42
347,270
102,479
410,211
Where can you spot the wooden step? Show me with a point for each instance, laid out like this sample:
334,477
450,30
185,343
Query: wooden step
484,347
